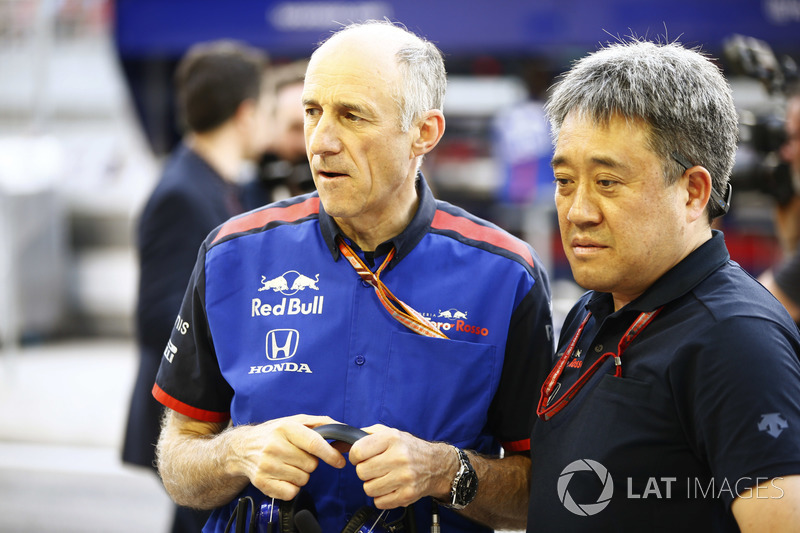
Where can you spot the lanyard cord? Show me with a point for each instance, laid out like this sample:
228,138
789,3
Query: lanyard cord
400,311
545,411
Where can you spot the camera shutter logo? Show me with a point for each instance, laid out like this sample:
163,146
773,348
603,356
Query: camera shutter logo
281,344
585,509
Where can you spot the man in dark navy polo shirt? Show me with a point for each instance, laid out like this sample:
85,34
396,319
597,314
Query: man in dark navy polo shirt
674,401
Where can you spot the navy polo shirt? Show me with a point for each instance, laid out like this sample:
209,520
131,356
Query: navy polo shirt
275,322
708,406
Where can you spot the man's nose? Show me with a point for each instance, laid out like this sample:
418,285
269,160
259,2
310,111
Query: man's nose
583,209
324,136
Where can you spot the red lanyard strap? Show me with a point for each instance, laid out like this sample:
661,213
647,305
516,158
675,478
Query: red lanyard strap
545,411
399,310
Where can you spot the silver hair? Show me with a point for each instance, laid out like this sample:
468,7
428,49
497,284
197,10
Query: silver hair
679,93
424,79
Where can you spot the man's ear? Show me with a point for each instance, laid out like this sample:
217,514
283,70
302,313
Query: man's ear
245,114
428,132
698,188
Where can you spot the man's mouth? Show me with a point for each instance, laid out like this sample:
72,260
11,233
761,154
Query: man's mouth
331,175
582,246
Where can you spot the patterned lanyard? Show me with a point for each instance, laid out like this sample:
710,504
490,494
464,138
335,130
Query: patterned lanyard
399,310
545,411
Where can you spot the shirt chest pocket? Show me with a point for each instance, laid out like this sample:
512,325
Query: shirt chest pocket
439,389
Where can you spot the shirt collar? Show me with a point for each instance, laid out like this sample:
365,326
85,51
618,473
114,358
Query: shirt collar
676,282
403,242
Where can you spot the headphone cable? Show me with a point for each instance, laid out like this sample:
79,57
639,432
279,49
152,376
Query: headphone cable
435,528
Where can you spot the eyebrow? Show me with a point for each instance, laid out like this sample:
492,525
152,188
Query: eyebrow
602,161
349,106
357,108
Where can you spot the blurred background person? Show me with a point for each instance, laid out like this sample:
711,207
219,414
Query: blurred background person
283,171
784,280
223,104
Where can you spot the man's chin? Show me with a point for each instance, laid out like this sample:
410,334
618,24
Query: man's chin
587,278
336,204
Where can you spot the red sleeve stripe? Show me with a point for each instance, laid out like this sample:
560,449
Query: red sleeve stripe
517,446
445,221
263,217
188,410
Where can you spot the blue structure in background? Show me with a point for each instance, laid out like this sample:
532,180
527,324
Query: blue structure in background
541,27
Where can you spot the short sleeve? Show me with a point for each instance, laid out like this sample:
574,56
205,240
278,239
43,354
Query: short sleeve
529,352
744,390
189,379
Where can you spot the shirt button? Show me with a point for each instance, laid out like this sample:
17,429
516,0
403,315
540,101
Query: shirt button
365,284
598,348
360,360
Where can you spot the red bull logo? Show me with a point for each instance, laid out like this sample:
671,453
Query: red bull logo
452,314
287,306
289,283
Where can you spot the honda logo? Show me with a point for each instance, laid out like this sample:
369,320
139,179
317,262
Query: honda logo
281,344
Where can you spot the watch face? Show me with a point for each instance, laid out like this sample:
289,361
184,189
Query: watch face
467,487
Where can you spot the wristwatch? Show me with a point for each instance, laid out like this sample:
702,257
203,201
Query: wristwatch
465,485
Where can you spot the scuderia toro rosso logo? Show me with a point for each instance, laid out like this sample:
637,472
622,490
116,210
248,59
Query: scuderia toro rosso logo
455,319
289,283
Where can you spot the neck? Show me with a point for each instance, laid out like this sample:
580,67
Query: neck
220,150
369,232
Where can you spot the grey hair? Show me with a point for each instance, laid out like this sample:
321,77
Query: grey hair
423,76
679,93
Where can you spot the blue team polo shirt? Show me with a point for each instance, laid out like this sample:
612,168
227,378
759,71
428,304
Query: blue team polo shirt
276,323
708,406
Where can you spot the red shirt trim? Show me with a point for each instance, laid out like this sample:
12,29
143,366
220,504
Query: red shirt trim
517,446
471,230
263,217
188,410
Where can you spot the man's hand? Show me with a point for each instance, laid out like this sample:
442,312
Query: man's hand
398,468
204,465
278,456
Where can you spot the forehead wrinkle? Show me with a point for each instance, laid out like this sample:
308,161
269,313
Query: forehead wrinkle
343,97
609,162
603,161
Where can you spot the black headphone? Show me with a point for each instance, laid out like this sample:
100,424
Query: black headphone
299,515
